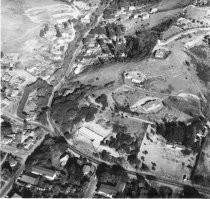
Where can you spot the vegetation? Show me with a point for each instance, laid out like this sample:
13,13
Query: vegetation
181,133
188,106
68,111
70,181
6,127
110,175
102,99
44,91
123,143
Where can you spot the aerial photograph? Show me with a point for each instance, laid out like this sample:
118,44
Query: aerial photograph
105,99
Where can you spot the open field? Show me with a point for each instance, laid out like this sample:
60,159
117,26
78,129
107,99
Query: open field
157,155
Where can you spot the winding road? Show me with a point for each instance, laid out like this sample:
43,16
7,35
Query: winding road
205,190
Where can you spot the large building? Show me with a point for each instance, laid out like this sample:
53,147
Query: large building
47,173
91,135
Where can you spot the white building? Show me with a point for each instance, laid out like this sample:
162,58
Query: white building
91,135
131,8
64,160
153,10
49,174
86,169
145,15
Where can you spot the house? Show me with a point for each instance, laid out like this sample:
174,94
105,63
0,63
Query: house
86,169
153,10
28,142
6,77
161,53
136,16
13,162
86,19
49,174
109,191
92,169
131,8
145,15
64,159
7,140
30,179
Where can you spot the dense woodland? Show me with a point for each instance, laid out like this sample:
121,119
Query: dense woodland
67,110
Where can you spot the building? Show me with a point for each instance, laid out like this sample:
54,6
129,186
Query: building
15,195
93,136
13,162
131,8
136,16
161,53
86,19
28,143
30,179
153,10
7,140
109,191
86,169
47,173
145,15
64,159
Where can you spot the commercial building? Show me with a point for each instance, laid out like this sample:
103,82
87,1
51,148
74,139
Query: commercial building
47,173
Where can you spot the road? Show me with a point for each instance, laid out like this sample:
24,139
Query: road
19,153
97,161
20,120
57,132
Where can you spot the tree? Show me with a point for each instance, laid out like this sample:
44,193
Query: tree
41,33
165,192
191,192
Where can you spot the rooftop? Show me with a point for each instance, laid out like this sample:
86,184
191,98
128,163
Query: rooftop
30,178
43,171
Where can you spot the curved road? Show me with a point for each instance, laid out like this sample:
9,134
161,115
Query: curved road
205,190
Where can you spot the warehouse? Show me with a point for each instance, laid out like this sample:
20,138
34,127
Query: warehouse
91,135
